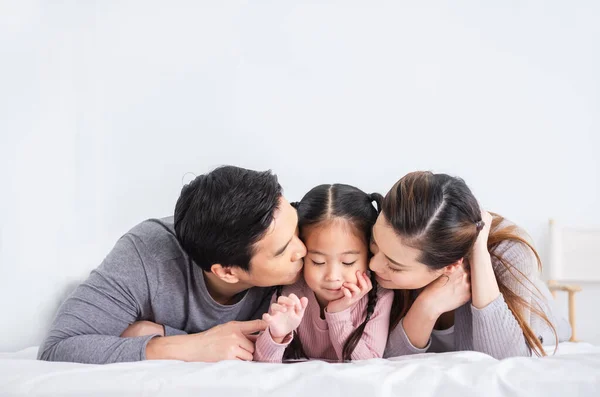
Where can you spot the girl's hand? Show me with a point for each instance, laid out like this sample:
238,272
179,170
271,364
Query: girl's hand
285,316
352,293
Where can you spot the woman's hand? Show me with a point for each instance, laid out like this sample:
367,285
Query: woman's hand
484,234
447,292
485,286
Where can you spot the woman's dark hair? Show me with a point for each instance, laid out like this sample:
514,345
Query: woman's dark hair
438,215
325,203
221,215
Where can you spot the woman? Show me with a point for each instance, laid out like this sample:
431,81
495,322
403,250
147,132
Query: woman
464,279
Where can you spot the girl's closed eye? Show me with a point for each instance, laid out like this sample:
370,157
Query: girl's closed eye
348,263
316,262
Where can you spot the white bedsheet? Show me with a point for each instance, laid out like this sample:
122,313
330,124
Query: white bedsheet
573,371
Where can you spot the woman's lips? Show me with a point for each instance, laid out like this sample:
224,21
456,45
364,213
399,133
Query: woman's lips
382,279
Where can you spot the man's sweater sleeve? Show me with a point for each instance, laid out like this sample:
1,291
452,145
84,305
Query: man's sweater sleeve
88,324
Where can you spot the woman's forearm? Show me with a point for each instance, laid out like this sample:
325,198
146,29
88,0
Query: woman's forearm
484,287
419,322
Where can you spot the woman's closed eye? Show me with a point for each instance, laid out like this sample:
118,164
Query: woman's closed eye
393,269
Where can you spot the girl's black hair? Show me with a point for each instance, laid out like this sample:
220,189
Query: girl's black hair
324,203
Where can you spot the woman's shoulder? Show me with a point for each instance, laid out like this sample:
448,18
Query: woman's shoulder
508,225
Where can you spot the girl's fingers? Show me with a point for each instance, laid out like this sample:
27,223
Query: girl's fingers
364,282
353,288
368,280
304,302
347,292
286,300
275,307
266,317
295,299
360,280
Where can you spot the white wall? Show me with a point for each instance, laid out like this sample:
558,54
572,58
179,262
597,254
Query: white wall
104,106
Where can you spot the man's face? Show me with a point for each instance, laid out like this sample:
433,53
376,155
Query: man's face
278,255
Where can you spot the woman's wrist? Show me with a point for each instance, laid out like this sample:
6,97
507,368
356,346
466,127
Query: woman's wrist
419,321
484,285
426,307
480,245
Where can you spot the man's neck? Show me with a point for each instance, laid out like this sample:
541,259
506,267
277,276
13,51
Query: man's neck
222,292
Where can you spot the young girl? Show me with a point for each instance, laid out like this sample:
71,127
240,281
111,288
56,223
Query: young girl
336,312
465,279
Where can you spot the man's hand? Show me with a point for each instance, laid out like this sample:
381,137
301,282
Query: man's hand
230,341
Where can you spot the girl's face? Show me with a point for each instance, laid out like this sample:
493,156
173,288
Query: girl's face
335,254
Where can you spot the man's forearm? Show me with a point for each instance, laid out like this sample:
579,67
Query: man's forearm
169,348
94,349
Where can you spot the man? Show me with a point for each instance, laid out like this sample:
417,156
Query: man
186,287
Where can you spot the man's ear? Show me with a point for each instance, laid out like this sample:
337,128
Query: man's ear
453,267
228,274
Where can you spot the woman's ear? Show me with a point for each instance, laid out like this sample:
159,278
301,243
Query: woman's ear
453,267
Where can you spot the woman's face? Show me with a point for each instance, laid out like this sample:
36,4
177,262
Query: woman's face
395,263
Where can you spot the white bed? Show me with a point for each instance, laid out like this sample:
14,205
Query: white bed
573,371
